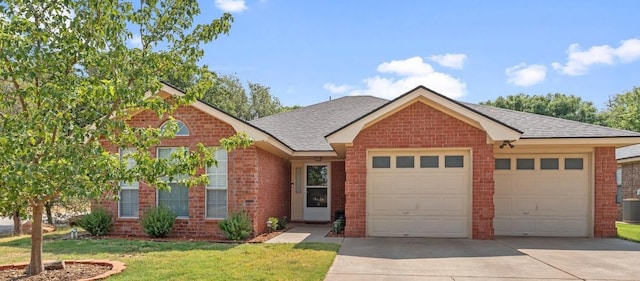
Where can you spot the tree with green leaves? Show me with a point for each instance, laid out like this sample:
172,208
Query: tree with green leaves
558,105
229,94
623,110
76,79
262,103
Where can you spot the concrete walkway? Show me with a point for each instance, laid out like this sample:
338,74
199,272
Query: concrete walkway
521,259
306,233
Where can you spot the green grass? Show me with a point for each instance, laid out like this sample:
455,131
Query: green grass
148,260
629,231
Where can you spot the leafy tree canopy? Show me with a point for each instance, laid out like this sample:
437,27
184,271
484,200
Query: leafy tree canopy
71,81
623,110
556,105
229,94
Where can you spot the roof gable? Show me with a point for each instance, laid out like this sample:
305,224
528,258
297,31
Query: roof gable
496,130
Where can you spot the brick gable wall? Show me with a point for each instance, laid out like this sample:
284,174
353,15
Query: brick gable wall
421,126
243,185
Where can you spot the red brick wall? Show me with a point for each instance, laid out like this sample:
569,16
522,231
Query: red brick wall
274,196
338,178
630,182
421,126
243,184
605,192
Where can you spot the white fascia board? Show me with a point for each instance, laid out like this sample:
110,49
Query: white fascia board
613,141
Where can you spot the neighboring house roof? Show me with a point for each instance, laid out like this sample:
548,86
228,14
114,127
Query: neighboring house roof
304,129
628,152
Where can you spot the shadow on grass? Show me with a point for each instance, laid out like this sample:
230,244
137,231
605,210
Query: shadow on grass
53,243
317,246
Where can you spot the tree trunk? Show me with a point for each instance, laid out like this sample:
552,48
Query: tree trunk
47,208
16,223
35,264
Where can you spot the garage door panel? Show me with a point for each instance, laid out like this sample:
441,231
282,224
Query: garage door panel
542,202
418,202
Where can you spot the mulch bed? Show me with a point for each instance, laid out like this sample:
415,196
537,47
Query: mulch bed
71,272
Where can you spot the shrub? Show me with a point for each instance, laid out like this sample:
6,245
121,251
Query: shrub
282,224
236,226
98,222
274,223
158,221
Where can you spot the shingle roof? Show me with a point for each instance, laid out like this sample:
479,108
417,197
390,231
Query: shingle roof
536,126
304,129
628,152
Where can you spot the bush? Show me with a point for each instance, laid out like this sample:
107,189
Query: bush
158,221
274,223
98,222
282,224
236,226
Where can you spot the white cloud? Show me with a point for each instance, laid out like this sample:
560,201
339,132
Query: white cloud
407,74
629,50
526,75
135,41
336,89
579,60
455,61
231,5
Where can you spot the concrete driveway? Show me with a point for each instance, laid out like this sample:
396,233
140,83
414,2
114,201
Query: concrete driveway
476,260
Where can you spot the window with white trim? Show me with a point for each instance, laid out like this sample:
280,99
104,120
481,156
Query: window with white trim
216,189
183,131
176,199
128,204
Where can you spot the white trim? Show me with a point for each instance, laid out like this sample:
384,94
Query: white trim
614,141
629,160
494,130
178,132
314,154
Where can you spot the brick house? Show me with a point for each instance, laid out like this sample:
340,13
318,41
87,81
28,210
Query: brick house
628,175
421,165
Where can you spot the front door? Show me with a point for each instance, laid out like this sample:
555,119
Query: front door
317,198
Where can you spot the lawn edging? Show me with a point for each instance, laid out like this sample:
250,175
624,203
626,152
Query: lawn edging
116,267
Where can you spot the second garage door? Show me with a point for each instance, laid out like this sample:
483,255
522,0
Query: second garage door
542,195
418,193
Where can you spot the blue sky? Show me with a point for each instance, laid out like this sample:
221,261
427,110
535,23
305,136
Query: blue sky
308,51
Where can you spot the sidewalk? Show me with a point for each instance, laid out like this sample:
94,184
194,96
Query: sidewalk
306,233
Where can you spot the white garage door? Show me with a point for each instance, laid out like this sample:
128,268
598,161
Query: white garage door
542,195
418,194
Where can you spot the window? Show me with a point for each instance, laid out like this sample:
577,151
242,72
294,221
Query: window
573,164
525,164
381,162
619,183
176,199
503,164
128,204
182,128
429,162
454,161
217,187
404,161
549,164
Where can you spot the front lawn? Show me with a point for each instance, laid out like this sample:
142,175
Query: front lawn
148,260
629,231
